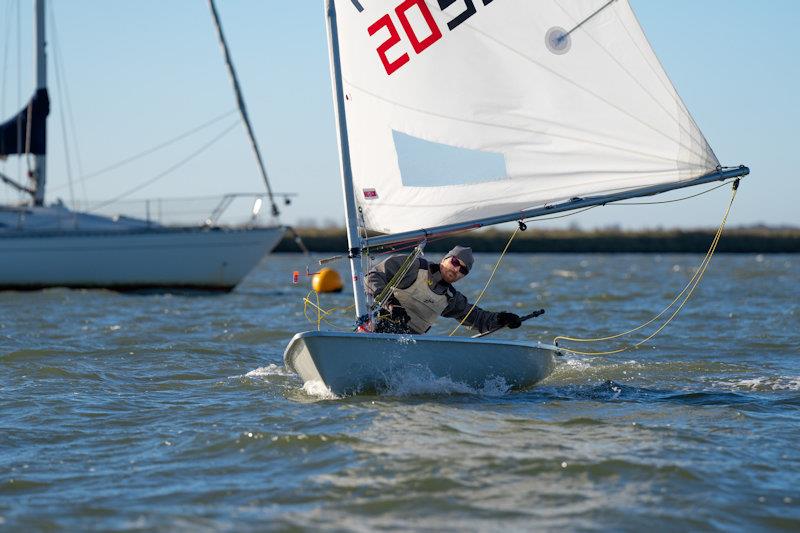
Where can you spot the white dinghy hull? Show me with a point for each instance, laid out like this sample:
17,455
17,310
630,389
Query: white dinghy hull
352,363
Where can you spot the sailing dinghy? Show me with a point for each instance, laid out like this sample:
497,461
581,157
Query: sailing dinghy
522,109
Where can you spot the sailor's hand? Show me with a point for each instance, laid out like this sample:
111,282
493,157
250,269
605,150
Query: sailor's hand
398,314
508,319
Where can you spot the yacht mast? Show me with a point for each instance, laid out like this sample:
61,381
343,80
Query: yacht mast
39,171
353,239
242,108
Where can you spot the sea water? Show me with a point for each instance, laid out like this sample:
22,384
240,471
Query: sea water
174,411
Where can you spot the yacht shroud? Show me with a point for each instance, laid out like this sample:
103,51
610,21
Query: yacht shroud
51,245
525,109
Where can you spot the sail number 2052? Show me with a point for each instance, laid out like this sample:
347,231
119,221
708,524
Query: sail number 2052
420,35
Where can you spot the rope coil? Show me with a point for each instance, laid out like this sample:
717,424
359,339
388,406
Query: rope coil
690,287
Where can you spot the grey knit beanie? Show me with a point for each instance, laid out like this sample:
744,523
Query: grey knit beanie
464,254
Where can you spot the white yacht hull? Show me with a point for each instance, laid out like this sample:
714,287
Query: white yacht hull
351,363
161,257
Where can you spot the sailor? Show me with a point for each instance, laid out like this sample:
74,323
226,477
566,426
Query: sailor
426,292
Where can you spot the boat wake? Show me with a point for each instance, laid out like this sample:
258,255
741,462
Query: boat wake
422,382
418,382
269,370
319,390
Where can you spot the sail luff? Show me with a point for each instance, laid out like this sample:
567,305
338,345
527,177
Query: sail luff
575,203
345,166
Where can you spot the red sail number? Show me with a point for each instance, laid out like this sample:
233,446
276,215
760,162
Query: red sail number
436,33
418,44
394,38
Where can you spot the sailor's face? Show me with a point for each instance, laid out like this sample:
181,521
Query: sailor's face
452,269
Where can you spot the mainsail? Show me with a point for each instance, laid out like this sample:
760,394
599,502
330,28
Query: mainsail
568,96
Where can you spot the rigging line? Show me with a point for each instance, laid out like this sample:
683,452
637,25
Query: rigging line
168,171
395,248
577,86
322,314
413,243
478,299
241,105
156,148
66,97
506,127
671,91
570,214
67,159
19,85
6,48
664,325
386,292
691,286
690,283
587,19
3,73
622,204
11,183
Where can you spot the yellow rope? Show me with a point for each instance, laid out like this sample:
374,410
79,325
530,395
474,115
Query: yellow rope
487,283
691,286
321,313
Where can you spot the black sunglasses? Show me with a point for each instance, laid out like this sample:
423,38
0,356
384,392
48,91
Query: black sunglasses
461,268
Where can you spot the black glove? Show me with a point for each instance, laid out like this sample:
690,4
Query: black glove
398,314
508,319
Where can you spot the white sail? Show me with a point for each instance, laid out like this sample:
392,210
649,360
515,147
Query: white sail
464,109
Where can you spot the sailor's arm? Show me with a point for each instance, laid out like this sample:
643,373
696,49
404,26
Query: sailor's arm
458,307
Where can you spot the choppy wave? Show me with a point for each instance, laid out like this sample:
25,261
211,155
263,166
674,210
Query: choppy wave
761,384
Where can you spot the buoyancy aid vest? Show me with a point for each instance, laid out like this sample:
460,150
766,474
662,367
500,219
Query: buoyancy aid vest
422,304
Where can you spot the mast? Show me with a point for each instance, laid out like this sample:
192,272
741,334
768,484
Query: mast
39,171
345,167
575,203
242,108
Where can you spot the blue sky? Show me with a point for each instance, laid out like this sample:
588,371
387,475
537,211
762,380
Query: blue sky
140,72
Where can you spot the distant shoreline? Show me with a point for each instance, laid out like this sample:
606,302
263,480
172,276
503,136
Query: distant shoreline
737,241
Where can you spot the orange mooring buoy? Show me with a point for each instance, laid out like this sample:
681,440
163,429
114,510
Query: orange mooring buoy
327,280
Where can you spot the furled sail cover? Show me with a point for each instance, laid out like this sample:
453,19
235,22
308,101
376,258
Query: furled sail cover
569,115
16,138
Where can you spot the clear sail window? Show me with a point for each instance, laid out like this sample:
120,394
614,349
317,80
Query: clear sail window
429,164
